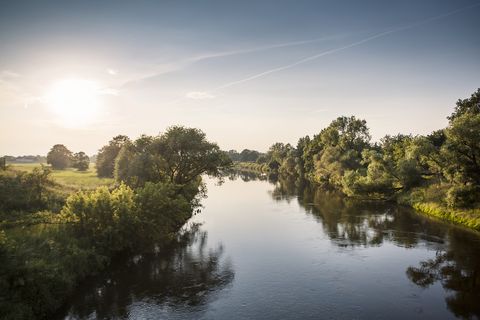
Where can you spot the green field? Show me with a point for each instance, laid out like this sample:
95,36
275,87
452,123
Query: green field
70,177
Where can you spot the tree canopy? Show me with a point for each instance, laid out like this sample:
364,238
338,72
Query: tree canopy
179,156
59,157
106,156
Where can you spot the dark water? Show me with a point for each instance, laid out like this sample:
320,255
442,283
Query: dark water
288,251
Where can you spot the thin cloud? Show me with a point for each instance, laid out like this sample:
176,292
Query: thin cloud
335,50
189,61
199,95
112,72
262,48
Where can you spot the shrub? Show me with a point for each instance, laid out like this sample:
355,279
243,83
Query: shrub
462,196
29,191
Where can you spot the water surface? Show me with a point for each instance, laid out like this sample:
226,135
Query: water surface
285,250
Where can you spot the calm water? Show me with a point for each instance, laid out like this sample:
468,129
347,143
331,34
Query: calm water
288,251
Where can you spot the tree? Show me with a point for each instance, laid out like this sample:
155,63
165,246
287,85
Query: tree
179,156
462,159
467,106
81,161
339,149
186,154
59,157
107,154
249,155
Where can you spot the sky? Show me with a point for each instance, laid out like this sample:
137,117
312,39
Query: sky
248,73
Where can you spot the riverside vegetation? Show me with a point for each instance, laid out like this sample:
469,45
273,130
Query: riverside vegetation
437,174
52,236
59,226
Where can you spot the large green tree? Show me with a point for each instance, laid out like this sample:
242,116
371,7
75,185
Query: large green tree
107,154
340,146
59,157
178,156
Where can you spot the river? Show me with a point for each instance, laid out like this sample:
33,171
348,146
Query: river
285,250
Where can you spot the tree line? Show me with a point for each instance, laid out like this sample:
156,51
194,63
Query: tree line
443,166
60,158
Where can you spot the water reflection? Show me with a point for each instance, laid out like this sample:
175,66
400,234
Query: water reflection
351,223
458,272
185,275
247,176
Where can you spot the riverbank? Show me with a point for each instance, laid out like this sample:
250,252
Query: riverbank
53,236
251,167
428,200
466,217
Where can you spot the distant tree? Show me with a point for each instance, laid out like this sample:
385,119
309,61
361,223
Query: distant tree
262,159
81,161
233,155
107,154
249,155
59,157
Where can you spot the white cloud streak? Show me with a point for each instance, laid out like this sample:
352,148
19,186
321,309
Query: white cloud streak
348,46
189,61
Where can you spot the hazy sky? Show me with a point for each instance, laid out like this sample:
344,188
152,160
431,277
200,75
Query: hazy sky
248,73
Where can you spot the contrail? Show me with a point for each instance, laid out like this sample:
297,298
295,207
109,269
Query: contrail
351,45
263,48
195,59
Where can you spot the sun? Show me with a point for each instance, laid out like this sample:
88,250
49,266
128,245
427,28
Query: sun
74,102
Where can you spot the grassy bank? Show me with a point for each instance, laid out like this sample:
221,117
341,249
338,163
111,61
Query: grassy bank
251,166
429,200
467,217
70,178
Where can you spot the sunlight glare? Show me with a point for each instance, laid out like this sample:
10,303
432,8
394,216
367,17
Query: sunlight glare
74,102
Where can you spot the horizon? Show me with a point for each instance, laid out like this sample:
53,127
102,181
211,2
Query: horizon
247,74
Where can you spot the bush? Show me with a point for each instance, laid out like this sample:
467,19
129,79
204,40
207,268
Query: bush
462,196
124,219
107,218
29,191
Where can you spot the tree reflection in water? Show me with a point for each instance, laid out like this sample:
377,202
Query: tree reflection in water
457,269
351,223
185,275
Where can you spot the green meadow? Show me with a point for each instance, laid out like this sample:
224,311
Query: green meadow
70,178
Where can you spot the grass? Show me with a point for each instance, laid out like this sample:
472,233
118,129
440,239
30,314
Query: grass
430,201
251,166
466,217
70,178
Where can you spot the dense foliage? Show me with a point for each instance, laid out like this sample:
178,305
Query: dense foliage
105,160
59,157
27,191
245,155
45,254
342,157
177,156
80,161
